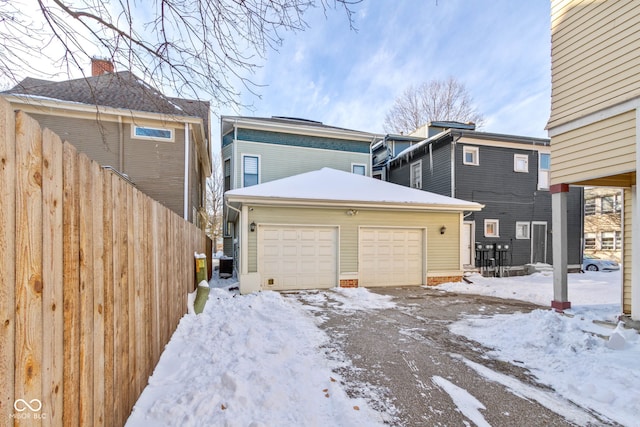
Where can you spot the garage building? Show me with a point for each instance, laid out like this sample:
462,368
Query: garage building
330,228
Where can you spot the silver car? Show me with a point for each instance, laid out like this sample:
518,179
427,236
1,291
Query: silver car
592,263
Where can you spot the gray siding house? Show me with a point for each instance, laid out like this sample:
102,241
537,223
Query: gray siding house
509,175
160,144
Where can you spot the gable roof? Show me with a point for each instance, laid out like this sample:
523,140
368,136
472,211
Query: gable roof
326,187
122,90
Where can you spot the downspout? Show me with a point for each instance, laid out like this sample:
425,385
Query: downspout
453,164
120,145
234,166
187,142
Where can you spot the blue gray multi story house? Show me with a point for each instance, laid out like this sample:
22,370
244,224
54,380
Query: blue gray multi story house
508,174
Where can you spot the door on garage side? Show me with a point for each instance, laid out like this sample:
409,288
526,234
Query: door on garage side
297,257
391,256
467,253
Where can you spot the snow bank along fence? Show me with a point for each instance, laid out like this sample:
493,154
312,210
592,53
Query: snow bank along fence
93,281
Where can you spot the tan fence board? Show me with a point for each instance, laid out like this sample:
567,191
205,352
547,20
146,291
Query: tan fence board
29,333
71,277
7,258
98,244
107,258
53,284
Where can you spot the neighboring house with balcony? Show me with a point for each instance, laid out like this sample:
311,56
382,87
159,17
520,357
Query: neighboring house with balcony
603,222
257,150
594,123
160,144
507,174
390,146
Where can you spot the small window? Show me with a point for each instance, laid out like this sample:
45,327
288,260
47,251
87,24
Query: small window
377,175
607,204
416,174
589,240
250,170
491,228
521,162
358,169
227,174
523,230
590,207
157,134
607,241
618,242
544,171
470,156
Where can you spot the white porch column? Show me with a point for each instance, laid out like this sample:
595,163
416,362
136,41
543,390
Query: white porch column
559,193
635,253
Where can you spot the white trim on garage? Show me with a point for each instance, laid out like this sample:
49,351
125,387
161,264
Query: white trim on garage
298,256
387,256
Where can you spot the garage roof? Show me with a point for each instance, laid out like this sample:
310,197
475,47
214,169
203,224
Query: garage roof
333,187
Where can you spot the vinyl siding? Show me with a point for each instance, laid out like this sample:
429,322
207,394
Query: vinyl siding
298,140
443,251
597,150
281,161
595,56
626,253
157,167
436,178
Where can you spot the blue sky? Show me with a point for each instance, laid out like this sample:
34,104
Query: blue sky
500,49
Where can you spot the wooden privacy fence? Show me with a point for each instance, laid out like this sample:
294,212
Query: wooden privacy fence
93,281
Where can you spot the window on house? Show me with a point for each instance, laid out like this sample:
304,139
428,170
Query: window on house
145,132
470,156
521,162
358,169
544,171
607,204
491,228
523,230
377,175
250,170
618,240
607,241
590,207
416,174
589,240
227,175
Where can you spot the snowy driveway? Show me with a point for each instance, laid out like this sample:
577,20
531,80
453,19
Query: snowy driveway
426,375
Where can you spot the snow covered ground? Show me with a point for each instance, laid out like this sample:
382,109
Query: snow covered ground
260,359
596,366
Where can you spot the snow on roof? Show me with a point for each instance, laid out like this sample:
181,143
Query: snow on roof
338,186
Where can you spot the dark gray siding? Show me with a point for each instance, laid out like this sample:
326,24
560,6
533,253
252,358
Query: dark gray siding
282,138
436,174
510,197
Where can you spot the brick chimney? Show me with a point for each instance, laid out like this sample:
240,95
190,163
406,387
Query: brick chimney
101,66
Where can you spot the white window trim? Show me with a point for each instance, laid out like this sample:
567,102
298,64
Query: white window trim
524,157
497,227
364,165
476,155
259,167
152,138
412,175
546,171
521,223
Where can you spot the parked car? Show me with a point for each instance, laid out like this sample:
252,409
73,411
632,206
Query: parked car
592,263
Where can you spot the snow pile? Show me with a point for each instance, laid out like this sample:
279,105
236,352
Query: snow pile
348,299
253,360
592,365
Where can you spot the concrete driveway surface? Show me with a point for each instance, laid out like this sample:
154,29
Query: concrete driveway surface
421,374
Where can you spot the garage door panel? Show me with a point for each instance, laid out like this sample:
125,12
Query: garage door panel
295,257
391,257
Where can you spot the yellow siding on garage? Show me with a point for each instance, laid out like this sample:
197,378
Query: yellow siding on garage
600,149
443,251
595,56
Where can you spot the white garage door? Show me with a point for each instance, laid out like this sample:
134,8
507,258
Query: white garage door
391,256
297,257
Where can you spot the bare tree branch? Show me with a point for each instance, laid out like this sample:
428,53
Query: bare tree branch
436,100
203,49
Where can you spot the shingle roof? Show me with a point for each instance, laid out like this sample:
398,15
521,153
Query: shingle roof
117,90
